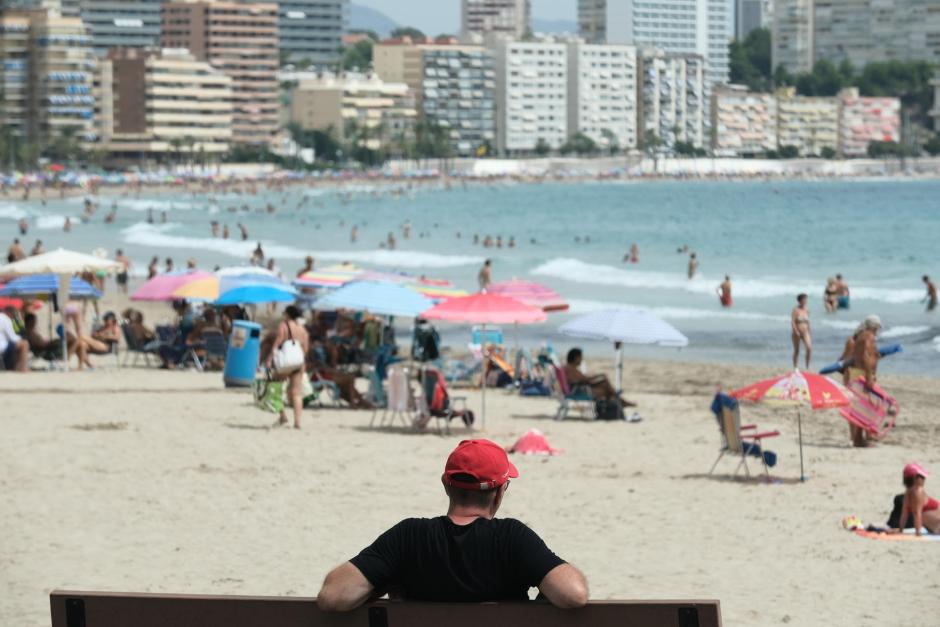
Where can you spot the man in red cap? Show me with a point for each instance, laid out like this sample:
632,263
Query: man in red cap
466,556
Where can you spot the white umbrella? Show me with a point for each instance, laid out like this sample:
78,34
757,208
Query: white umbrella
624,326
64,263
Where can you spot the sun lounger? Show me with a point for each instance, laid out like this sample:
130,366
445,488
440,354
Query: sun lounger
875,411
114,609
738,439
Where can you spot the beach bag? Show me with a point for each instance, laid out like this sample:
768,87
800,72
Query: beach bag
608,410
290,356
269,395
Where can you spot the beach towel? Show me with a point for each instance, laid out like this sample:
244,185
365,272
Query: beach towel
533,442
855,525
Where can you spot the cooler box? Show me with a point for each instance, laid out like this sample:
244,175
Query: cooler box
241,360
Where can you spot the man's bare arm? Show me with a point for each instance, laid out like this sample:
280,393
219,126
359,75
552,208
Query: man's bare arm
565,586
345,588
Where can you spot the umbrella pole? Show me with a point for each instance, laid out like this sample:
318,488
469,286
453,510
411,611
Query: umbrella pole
799,422
483,382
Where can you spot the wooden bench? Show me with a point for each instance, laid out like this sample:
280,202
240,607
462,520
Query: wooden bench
115,609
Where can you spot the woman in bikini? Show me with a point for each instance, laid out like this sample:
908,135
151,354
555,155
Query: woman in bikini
291,329
924,509
799,330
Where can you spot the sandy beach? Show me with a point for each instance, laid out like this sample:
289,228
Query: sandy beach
141,480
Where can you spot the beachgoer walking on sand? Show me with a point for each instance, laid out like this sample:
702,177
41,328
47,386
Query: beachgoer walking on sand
724,292
800,331
290,329
485,276
931,296
862,350
468,555
693,265
924,509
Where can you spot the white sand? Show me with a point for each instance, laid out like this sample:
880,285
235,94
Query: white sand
140,480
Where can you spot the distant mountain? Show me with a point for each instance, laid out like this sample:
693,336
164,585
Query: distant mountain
554,26
367,18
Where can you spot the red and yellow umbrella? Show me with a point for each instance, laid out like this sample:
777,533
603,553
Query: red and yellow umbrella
797,389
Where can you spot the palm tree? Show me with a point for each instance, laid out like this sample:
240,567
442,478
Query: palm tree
176,143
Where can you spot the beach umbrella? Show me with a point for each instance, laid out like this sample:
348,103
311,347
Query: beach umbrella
624,326
378,297
484,309
63,263
16,303
530,293
211,287
332,276
797,389
435,289
43,284
257,293
162,286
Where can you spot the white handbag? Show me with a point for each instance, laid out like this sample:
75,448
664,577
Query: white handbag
290,356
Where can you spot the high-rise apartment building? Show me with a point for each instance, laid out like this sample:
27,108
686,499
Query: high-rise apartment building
61,70
672,96
240,39
163,104
511,18
861,31
311,30
864,119
602,91
459,94
748,16
935,112
121,23
531,95
702,27
14,70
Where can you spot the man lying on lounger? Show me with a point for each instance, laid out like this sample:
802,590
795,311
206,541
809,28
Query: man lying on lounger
466,556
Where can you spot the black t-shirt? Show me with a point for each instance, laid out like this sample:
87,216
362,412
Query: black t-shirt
434,559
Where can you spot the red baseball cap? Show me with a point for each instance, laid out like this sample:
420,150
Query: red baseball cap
483,460
915,470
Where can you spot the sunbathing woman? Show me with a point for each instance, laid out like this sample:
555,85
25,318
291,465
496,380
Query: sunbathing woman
924,509
101,341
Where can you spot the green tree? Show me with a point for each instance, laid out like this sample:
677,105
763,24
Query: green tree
65,146
358,56
579,144
652,145
406,31
884,149
788,152
824,80
750,60
613,146
687,149
932,147
542,148
827,152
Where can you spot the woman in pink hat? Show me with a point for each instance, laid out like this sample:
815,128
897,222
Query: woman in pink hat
924,509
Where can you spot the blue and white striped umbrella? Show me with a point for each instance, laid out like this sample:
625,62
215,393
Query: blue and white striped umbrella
378,297
42,284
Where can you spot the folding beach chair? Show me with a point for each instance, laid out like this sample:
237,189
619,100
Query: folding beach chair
398,399
215,346
134,347
873,410
578,396
734,440
437,403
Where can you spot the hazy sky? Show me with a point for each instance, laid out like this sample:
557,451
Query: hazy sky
440,16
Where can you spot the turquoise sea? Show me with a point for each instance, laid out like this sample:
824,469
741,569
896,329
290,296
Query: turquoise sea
775,239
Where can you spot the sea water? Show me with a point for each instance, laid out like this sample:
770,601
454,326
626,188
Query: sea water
775,239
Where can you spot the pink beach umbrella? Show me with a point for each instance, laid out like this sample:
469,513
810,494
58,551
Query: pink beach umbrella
530,293
162,286
484,309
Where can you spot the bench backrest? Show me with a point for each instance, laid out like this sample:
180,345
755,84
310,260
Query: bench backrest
107,609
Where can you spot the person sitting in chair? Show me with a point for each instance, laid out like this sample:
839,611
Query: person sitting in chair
51,349
600,386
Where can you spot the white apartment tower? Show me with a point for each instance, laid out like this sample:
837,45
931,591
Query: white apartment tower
671,97
702,27
602,82
531,95
501,17
793,38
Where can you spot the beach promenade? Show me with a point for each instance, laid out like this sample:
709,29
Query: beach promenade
143,480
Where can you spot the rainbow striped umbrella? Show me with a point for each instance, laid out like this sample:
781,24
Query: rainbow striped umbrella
332,276
530,293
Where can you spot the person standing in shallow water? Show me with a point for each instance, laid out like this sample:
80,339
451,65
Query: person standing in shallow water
693,265
724,292
485,276
799,330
